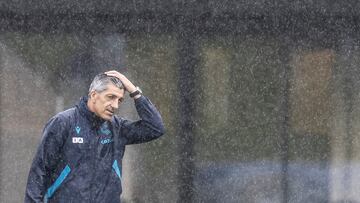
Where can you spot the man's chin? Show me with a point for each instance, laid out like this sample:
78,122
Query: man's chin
106,117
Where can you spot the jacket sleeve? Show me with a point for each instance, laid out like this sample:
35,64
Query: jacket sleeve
149,127
45,160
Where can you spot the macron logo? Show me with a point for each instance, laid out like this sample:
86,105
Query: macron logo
77,128
77,140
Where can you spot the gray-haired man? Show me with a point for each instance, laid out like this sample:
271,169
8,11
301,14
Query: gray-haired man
80,156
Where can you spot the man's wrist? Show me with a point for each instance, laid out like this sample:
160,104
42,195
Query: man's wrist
136,93
137,97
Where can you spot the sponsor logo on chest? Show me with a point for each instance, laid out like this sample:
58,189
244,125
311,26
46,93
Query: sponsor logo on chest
79,140
106,141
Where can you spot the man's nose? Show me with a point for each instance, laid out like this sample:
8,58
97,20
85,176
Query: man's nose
115,104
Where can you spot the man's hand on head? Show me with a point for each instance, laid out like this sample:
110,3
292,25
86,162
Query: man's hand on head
129,86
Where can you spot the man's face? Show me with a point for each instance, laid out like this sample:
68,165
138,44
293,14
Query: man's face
106,102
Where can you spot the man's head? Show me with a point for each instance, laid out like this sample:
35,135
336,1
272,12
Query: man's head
105,95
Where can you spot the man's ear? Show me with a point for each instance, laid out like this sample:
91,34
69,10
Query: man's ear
92,94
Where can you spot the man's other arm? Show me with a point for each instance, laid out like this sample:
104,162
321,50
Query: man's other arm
45,160
149,127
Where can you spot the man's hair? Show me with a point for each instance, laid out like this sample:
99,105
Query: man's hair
101,81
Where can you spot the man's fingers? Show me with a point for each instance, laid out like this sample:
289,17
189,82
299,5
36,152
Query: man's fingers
122,77
114,73
110,74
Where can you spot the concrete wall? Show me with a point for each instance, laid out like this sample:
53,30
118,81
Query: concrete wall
152,167
345,125
26,103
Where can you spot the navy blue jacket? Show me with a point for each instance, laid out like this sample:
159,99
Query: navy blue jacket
80,156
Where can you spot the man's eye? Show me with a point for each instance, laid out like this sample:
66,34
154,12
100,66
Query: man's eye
111,97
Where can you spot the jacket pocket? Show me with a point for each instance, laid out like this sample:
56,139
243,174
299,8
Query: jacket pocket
51,190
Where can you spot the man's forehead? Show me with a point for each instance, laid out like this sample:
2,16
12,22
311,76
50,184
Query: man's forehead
112,89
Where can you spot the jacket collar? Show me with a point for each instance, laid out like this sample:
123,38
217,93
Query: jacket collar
94,120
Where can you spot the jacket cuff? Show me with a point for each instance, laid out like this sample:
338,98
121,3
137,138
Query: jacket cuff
141,100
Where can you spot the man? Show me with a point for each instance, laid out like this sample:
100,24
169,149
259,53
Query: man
80,155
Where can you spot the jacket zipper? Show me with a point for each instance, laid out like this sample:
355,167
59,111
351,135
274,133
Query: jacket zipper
94,157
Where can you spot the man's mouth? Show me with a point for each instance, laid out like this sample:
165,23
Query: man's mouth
109,111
